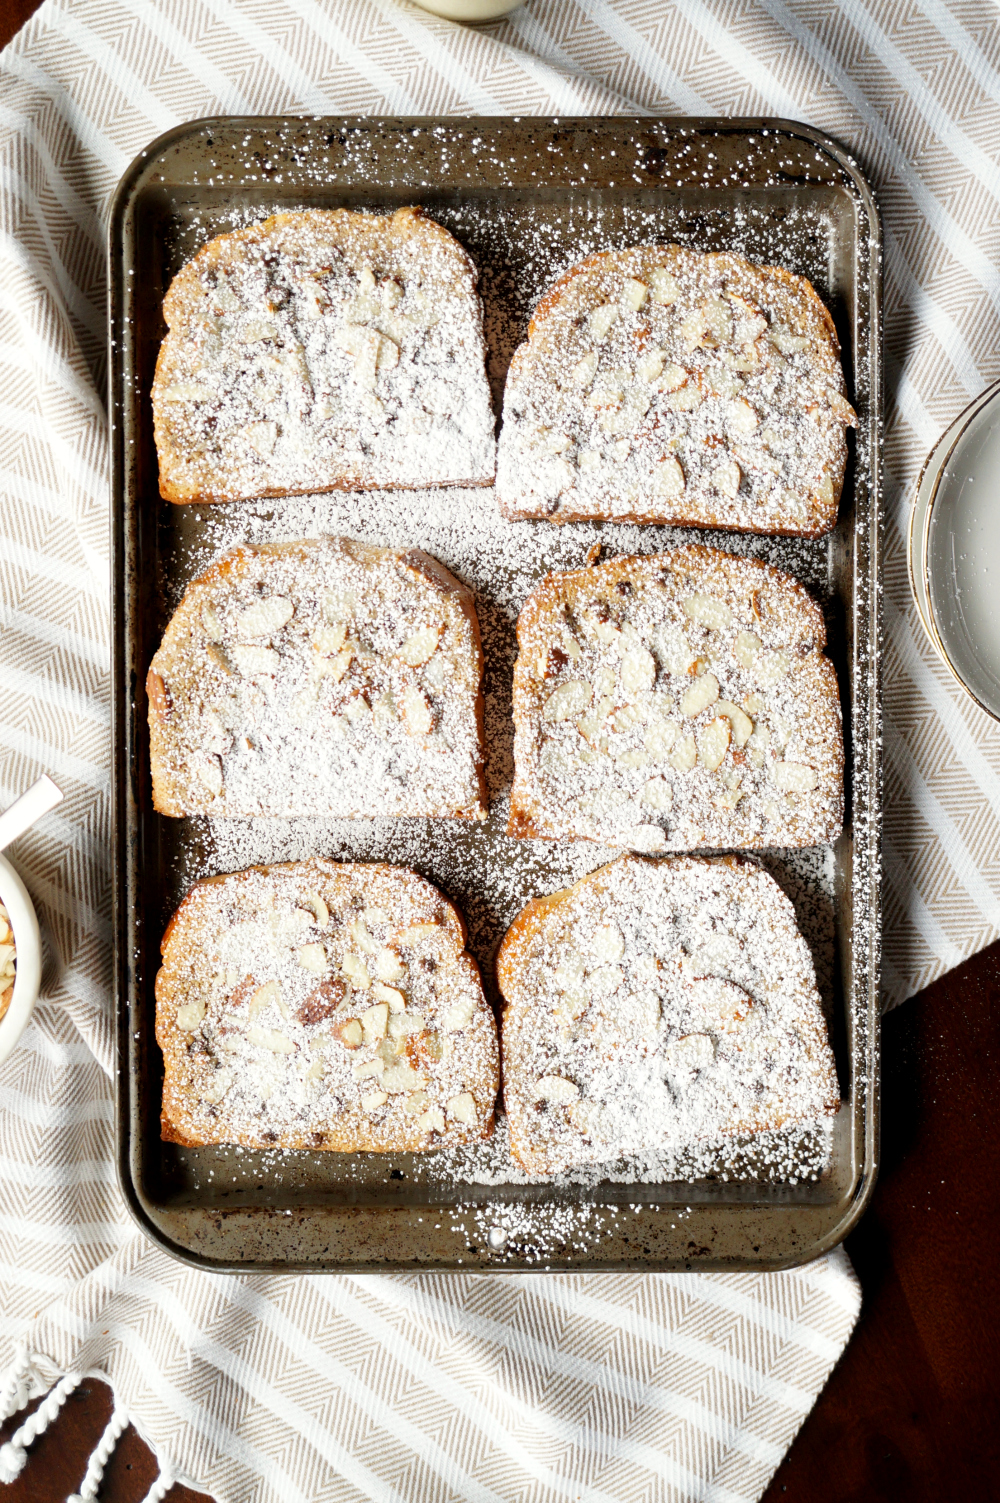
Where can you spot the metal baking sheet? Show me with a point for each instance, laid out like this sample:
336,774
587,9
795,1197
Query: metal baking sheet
527,198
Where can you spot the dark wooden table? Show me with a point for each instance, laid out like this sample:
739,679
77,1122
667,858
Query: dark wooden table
912,1412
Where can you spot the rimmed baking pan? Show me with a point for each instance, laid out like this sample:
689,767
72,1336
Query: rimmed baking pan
526,197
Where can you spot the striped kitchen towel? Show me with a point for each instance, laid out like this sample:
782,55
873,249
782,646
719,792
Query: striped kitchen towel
611,1387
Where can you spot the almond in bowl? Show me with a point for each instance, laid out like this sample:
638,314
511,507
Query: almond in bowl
20,958
8,962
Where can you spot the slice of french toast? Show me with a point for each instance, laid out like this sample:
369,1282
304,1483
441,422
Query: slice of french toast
676,700
655,1005
325,677
323,350
323,1005
658,384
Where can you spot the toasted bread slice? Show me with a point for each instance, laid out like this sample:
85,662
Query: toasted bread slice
317,1005
676,700
324,677
660,385
323,350
655,1005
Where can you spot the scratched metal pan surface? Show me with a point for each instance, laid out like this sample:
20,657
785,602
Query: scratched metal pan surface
527,198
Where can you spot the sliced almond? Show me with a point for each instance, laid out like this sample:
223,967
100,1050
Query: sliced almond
350,1033
825,489
658,794
264,617
394,999
418,934
335,668
568,1009
417,714
318,908
415,1103
605,981
271,1039
771,667
746,647
329,640
601,319
211,622
842,409
685,754
214,1091
403,1024
673,378
686,399
261,437
355,969
742,725
608,943
794,777
664,287
585,370
369,1069
463,1108
421,645
556,1090
388,966
650,366
707,610
374,1099
629,716
668,477
786,340
252,661
638,670
432,1121
726,478
189,1016
568,700
312,958
757,745
387,354
267,995
693,1051
634,293
358,930
702,693
208,771
374,1022
458,1016
741,418
402,1077
570,971
632,759
728,801
713,743
659,739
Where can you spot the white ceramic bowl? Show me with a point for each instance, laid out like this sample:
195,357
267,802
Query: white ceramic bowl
470,10
953,546
24,925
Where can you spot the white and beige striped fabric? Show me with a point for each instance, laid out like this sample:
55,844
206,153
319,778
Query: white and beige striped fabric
415,1389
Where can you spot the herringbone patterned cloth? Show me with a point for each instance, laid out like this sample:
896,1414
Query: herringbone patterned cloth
416,1389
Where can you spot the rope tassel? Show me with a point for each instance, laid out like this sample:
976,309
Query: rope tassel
99,1457
162,1485
16,1388
14,1453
